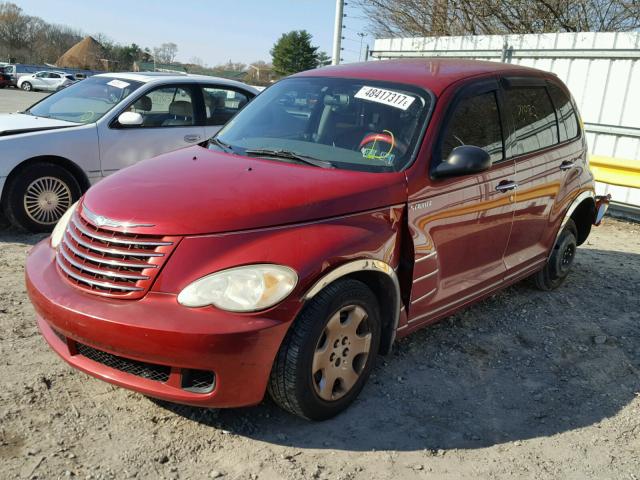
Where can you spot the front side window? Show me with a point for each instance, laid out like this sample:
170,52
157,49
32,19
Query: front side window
221,104
567,119
343,123
168,106
475,121
86,101
534,118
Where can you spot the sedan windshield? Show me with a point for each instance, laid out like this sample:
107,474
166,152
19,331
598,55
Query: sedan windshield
86,101
342,123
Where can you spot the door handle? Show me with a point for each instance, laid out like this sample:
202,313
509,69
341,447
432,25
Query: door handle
506,186
191,138
567,165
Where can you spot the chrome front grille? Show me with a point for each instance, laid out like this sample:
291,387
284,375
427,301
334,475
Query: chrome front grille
111,263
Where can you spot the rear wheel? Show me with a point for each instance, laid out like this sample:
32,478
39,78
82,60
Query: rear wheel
39,195
559,264
26,86
328,353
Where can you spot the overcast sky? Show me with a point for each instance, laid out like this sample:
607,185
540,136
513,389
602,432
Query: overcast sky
213,30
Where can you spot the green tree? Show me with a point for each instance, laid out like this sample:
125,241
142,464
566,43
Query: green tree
294,53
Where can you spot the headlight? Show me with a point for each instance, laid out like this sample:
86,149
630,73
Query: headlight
61,226
241,289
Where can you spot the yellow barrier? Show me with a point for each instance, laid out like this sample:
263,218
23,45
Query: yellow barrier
614,171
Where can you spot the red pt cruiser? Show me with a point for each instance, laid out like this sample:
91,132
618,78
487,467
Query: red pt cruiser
343,208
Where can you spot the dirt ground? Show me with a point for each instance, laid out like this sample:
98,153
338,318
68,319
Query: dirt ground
523,385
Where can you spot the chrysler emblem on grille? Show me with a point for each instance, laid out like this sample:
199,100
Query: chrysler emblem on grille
101,221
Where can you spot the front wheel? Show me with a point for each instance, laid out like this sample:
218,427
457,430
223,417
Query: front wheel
328,353
26,86
559,264
39,195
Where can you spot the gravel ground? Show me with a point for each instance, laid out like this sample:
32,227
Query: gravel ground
523,385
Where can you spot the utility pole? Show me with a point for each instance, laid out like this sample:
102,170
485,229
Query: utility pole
337,33
361,35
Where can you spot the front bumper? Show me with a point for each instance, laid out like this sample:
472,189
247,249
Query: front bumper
154,331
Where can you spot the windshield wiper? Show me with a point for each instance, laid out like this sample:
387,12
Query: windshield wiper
220,143
289,155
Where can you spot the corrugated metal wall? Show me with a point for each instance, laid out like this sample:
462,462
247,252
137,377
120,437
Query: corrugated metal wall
602,70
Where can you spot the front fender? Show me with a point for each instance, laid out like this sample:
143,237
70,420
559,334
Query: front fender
312,249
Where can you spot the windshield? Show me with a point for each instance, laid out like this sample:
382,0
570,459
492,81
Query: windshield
350,123
86,101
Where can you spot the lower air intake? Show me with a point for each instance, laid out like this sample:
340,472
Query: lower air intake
150,371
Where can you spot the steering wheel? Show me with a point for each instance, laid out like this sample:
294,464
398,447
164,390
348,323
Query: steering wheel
87,116
381,146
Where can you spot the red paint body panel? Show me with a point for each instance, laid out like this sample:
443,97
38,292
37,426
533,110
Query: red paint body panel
195,191
451,241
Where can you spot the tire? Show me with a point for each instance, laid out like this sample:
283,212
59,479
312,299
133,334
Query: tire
559,264
26,86
345,308
45,185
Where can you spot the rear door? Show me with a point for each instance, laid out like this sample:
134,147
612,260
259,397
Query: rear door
172,119
221,103
544,172
53,80
461,225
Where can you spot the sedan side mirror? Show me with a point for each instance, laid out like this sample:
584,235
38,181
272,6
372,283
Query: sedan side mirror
130,119
464,160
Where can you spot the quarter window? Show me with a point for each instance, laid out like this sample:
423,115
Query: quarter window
567,120
534,118
475,121
222,104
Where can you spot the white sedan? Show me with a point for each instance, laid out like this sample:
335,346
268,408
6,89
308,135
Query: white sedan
49,81
55,150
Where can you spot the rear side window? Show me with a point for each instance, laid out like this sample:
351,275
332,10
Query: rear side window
534,118
475,121
567,119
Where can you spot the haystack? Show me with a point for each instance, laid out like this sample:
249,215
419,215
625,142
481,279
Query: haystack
86,54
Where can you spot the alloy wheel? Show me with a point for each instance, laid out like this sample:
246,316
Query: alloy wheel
341,353
46,199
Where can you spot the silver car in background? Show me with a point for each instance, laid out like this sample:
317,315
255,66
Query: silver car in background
47,81
53,151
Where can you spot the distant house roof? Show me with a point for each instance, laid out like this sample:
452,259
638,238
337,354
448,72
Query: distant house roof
86,54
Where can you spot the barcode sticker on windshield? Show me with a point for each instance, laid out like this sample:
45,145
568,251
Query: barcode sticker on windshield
386,97
118,83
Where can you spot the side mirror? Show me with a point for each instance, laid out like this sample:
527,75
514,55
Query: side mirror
463,160
130,119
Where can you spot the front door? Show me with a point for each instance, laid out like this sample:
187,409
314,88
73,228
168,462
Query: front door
172,119
461,225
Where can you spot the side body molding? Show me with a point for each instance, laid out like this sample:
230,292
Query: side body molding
359,266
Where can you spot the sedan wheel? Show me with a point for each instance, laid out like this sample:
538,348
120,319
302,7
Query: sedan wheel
27,87
46,200
38,195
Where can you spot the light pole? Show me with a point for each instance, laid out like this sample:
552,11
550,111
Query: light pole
361,35
337,32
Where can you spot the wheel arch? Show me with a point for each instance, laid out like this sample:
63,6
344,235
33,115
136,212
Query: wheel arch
381,278
67,164
583,217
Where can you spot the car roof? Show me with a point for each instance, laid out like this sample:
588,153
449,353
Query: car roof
434,74
166,77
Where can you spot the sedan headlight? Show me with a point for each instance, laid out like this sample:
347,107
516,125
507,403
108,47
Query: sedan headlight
241,289
61,226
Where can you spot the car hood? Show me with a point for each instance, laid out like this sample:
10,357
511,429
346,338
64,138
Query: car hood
197,191
15,123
